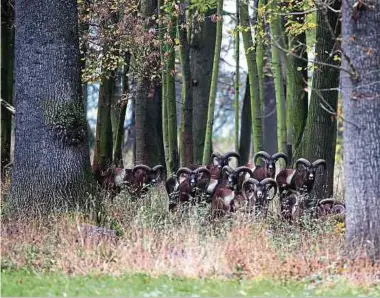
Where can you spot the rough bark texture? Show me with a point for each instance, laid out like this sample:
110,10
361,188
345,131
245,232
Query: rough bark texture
245,127
361,106
7,58
201,52
213,88
51,163
296,84
103,139
250,52
186,137
319,137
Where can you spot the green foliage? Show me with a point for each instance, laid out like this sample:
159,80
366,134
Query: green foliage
202,6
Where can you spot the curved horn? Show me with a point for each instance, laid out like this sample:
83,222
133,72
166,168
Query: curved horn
183,170
244,169
231,154
279,155
303,161
326,201
216,155
261,154
227,169
204,170
320,162
243,188
141,167
272,182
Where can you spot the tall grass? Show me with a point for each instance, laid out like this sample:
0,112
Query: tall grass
154,241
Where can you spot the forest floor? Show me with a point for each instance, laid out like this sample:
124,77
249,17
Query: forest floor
158,253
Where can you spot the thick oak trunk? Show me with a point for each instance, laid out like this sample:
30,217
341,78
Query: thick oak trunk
7,58
361,134
51,162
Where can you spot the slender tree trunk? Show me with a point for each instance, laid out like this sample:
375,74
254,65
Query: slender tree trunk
7,57
164,107
122,110
186,138
319,137
361,134
201,53
171,101
277,40
246,127
250,53
103,139
214,83
260,53
270,116
296,87
237,75
51,169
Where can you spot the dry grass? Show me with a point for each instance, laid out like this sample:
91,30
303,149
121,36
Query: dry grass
155,242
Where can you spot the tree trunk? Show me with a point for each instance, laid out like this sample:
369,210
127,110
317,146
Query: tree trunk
164,96
214,83
201,53
277,40
296,86
121,111
237,75
270,116
260,53
51,169
246,127
319,137
171,101
103,139
7,57
361,134
250,52
186,143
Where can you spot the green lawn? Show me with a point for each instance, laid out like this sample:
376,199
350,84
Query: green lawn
22,283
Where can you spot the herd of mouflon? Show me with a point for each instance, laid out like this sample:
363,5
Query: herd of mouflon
248,188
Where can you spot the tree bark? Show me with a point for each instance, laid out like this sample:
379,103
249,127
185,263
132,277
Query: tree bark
213,89
202,48
319,138
51,169
250,52
186,137
296,87
237,75
171,100
103,139
7,58
361,134
276,30
120,116
246,127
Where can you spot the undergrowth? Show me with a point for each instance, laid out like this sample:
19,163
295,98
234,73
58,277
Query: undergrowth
154,241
